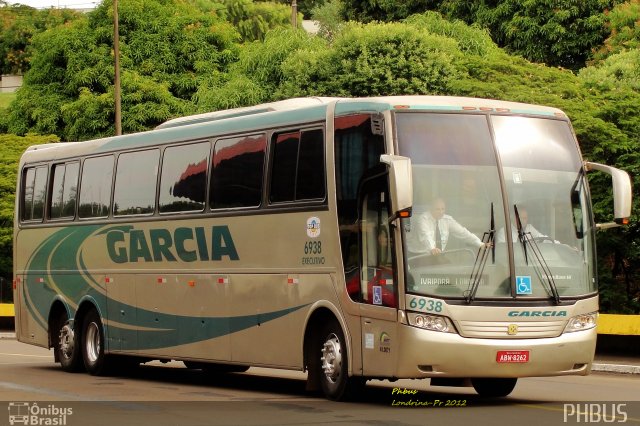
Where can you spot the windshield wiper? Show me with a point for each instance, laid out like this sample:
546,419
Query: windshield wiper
527,239
481,259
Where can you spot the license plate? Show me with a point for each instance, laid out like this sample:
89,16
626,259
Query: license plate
512,357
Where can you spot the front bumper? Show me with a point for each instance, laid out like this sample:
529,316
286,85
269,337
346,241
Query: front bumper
434,354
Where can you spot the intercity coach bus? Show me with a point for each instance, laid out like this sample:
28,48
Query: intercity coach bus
288,235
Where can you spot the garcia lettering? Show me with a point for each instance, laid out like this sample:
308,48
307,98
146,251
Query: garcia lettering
157,245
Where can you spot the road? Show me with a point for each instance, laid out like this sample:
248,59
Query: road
168,394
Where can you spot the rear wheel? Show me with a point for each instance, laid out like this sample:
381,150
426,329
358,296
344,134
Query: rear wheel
66,345
95,360
333,365
493,388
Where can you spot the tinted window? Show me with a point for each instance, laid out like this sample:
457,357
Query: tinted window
95,187
136,177
64,190
283,174
35,181
236,180
298,166
310,179
183,181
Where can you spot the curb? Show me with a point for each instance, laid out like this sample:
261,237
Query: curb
7,335
616,368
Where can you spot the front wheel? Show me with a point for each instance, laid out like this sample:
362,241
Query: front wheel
95,360
493,388
334,379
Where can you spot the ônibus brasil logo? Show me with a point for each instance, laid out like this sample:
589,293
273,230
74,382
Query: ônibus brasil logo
27,413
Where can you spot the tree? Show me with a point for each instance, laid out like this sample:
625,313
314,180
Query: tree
254,19
623,23
18,25
167,48
371,60
554,32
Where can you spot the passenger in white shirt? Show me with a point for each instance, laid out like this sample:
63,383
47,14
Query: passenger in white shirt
430,231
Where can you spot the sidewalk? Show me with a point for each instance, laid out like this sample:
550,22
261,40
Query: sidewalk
614,363
605,362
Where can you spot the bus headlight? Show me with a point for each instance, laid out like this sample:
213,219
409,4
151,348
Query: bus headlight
431,322
581,322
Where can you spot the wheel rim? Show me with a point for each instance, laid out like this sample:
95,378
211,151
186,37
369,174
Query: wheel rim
66,341
332,358
93,342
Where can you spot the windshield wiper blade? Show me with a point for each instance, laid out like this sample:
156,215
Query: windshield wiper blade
481,260
545,269
527,239
521,235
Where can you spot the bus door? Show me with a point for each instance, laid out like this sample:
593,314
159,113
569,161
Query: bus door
378,281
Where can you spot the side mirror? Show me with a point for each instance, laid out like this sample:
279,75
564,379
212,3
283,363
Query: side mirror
621,194
400,184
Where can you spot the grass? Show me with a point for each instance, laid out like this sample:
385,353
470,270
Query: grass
5,100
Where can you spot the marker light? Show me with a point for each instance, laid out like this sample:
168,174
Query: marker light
581,322
431,322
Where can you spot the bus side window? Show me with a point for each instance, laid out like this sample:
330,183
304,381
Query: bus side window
297,169
237,169
33,194
183,179
95,187
62,201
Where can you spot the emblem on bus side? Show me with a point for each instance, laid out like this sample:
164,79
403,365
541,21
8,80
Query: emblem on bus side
313,227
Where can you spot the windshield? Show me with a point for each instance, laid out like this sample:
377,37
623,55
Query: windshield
456,242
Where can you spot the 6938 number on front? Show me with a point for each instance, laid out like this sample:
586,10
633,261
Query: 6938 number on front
425,304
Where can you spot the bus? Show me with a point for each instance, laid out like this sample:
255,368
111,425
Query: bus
288,235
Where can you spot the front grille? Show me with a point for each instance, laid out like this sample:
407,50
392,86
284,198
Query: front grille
495,329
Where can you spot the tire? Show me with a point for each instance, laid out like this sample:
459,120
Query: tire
95,360
66,345
333,365
493,388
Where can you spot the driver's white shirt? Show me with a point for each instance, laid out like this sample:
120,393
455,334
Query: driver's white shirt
529,229
422,237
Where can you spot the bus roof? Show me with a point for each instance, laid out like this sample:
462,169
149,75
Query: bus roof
274,114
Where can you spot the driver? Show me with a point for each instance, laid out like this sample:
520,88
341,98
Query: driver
433,228
527,228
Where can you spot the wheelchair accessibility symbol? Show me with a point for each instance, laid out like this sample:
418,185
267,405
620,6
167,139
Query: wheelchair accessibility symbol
377,295
523,285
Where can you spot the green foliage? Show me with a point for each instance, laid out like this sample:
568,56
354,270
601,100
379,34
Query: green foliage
259,72
554,32
620,69
254,19
386,10
18,24
330,17
624,27
472,39
374,59
168,47
11,148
